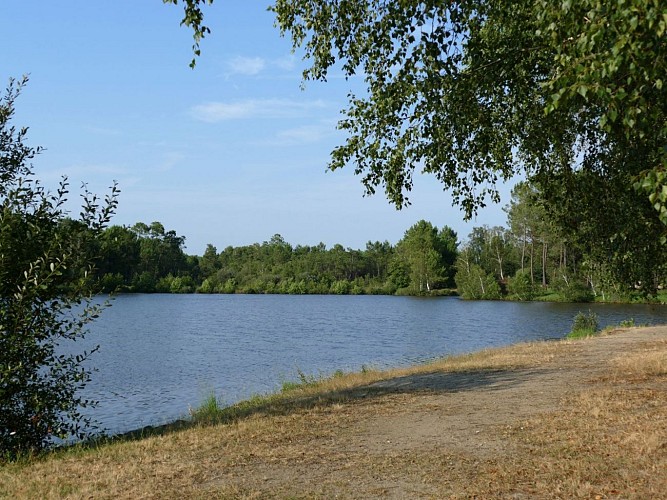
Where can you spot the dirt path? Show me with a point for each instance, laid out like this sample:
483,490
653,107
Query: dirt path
455,409
450,424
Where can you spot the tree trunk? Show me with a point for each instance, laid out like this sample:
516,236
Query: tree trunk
532,270
523,247
544,262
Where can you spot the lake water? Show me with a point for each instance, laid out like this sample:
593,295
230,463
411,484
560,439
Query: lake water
161,354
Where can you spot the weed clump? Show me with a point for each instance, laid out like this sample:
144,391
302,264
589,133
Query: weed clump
584,325
208,411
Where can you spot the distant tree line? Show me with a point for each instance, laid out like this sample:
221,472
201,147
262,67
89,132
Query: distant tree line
147,258
547,250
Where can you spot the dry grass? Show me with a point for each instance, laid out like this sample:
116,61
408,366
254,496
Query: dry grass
649,361
606,439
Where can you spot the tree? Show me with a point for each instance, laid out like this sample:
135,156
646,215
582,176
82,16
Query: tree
119,257
379,254
472,281
209,263
474,92
160,255
616,236
448,248
421,249
193,18
45,295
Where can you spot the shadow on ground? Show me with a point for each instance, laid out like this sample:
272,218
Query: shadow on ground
291,402
454,381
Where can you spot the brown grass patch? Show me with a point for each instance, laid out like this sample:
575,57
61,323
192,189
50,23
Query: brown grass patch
648,361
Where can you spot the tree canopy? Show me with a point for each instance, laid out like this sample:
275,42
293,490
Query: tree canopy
474,92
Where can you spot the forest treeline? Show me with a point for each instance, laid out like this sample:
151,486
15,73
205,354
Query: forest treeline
146,258
534,256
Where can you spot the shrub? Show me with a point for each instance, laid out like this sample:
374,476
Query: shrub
208,410
584,325
46,290
340,287
574,289
472,282
521,286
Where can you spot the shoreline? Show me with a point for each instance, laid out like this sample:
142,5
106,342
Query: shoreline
545,419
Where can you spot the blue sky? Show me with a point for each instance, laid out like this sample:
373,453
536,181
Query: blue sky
229,153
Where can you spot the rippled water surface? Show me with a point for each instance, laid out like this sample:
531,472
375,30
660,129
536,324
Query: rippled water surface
161,354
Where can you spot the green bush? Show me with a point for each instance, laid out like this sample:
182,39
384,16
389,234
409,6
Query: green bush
574,289
472,282
340,287
521,286
112,282
584,325
46,297
208,410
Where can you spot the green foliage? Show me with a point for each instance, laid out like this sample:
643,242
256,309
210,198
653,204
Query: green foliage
574,268
304,381
584,325
654,183
46,290
175,284
520,286
628,323
573,289
428,257
208,410
193,18
472,282
569,93
340,287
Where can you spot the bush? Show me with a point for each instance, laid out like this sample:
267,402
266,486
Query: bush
46,294
112,282
574,290
521,286
207,286
208,410
584,325
472,282
340,287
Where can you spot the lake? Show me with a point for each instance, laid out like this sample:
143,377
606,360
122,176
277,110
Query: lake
161,354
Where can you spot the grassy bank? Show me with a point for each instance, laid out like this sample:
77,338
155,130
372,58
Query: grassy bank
544,420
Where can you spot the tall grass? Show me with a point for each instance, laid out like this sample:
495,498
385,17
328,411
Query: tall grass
208,410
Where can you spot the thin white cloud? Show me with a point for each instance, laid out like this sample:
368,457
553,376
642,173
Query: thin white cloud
170,160
254,66
249,66
306,134
212,112
285,63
